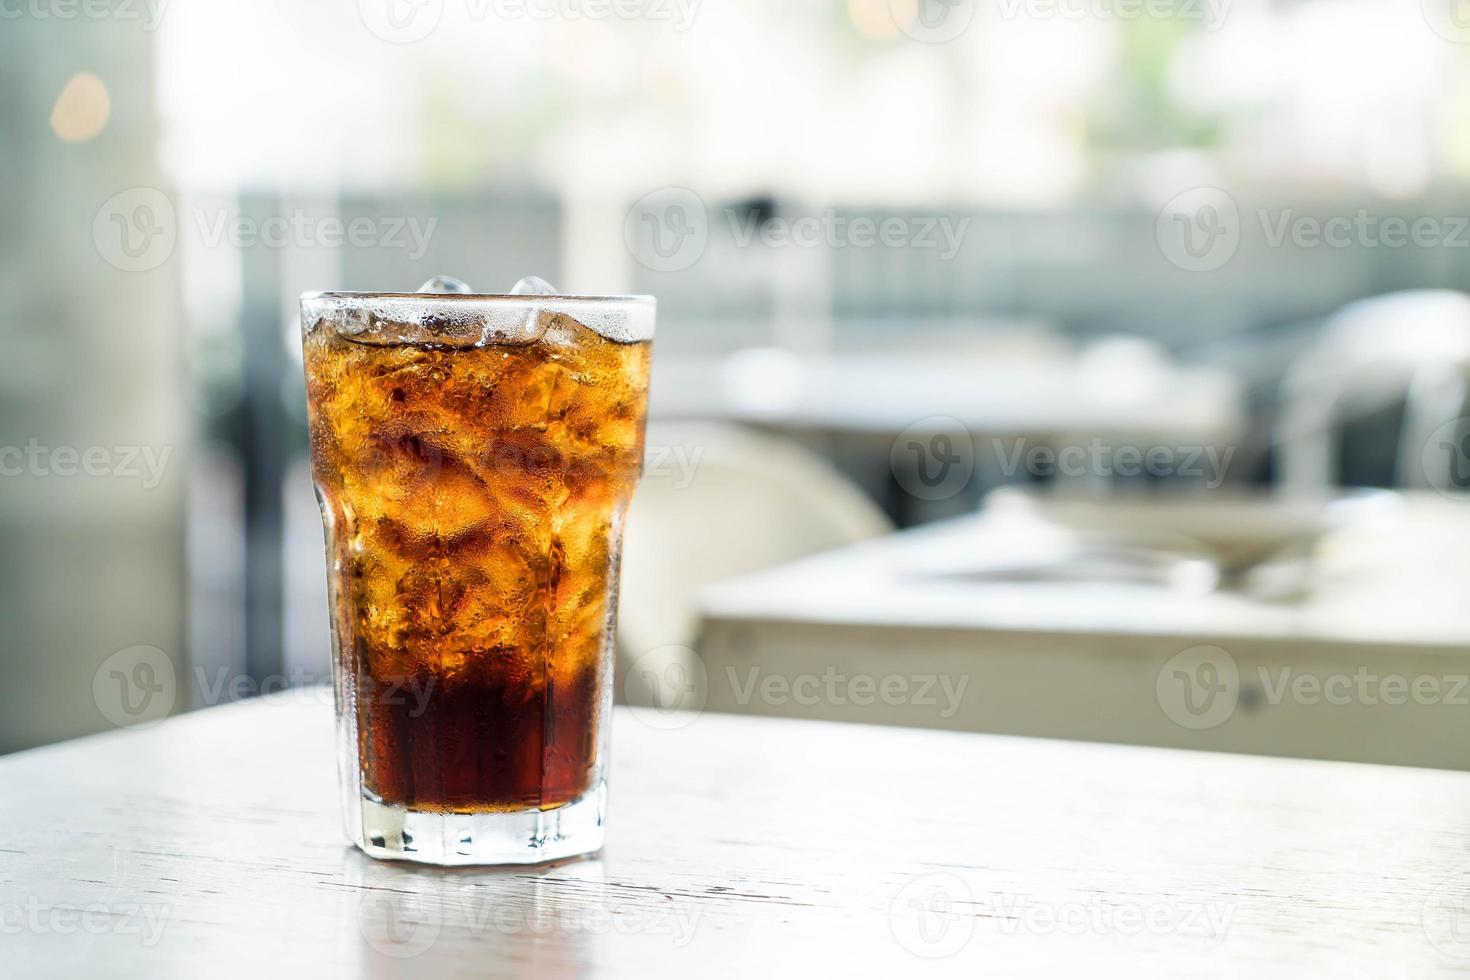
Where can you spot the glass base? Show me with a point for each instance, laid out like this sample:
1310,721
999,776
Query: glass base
396,833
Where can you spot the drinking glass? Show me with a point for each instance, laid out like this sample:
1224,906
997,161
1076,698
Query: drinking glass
474,456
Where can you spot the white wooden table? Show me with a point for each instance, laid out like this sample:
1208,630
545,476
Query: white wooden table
209,846
1318,677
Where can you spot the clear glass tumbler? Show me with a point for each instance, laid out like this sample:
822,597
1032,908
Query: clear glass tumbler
474,457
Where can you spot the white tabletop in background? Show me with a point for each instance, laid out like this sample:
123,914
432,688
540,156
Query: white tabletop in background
1401,584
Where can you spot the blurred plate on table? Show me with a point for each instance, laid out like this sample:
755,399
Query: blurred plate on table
1237,528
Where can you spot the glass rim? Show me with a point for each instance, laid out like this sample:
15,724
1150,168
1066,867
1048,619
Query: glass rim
504,317
529,298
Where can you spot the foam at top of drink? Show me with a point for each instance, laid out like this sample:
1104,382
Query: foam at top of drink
473,320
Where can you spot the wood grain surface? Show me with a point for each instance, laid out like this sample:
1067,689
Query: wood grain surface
209,846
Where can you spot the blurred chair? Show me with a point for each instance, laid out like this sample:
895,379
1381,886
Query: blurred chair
1411,346
717,501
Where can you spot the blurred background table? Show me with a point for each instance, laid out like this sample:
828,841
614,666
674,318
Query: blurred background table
1083,659
210,844
991,386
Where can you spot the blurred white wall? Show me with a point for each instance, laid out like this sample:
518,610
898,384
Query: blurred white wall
92,377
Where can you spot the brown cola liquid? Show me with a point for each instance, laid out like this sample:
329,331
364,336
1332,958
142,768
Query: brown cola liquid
473,497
